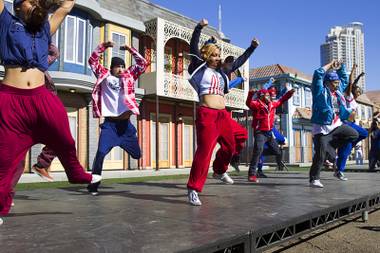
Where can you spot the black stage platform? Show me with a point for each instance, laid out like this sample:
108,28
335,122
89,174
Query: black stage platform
155,217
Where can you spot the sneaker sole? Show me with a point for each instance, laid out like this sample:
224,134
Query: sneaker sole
340,179
42,176
195,204
316,186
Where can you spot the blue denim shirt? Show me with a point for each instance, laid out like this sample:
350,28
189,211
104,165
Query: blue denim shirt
20,47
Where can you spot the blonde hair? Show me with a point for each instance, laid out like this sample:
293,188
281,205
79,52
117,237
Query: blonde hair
207,50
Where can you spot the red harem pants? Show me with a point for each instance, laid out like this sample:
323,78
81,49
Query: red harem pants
213,126
28,117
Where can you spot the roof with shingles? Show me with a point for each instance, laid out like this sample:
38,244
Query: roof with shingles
275,70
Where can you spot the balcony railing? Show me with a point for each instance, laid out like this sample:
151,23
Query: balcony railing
178,87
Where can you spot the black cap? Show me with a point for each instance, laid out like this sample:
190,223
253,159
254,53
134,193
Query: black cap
117,61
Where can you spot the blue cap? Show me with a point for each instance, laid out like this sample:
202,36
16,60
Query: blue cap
211,40
331,76
16,3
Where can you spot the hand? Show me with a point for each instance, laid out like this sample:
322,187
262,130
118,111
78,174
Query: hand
108,44
67,4
203,22
255,42
125,47
337,64
292,91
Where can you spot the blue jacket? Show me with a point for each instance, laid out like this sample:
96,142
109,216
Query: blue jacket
197,66
323,111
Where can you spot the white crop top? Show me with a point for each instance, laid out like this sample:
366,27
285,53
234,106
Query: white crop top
212,83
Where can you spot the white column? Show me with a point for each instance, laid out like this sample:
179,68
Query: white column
160,54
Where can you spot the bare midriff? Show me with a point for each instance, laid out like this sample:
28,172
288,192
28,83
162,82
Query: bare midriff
213,101
23,78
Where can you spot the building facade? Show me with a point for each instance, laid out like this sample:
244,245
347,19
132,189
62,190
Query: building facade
346,43
164,93
294,118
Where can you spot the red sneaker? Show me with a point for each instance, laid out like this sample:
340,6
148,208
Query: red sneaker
253,179
43,173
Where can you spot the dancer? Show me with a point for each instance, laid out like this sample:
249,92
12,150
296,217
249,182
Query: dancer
263,110
329,133
29,112
213,122
279,138
374,154
113,97
351,93
47,155
268,151
240,133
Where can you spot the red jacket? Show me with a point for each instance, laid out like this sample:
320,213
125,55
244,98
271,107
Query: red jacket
263,114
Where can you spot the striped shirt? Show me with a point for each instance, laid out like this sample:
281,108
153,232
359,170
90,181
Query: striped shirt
212,83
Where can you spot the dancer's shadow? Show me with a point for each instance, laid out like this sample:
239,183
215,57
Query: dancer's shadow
371,228
266,184
286,177
158,184
24,197
166,198
37,213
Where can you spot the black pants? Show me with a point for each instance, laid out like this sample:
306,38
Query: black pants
325,147
262,137
374,157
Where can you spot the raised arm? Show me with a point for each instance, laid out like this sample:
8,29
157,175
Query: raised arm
343,76
141,64
196,58
94,59
284,98
269,84
236,82
59,15
348,91
357,79
352,74
2,6
244,57
252,104
317,83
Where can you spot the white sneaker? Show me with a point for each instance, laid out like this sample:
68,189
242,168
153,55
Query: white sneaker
340,176
193,198
96,178
316,184
1,221
225,178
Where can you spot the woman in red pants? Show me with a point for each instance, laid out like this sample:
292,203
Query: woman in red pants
213,122
29,112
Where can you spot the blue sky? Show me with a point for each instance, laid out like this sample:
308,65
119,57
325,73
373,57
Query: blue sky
290,31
